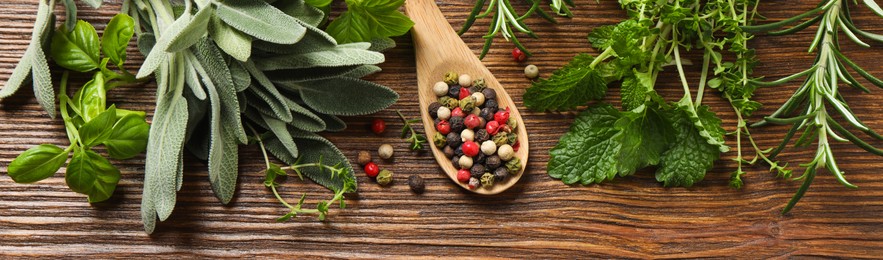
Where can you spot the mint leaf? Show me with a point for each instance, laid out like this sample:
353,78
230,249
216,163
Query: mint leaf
366,20
38,163
93,175
643,138
573,85
635,90
600,37
78,49
128,138
587,152
689,156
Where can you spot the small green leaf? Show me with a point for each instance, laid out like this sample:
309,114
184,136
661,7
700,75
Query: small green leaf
573,85
38,163
98,129
128,138
91,99
116,38
366,20
78,49
93,175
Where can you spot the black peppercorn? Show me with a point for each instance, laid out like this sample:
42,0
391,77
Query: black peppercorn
493,162
458,151
481,135
449,151
433,109
435,121
454,92
501,174
489,94
481,158
453,139
416,184
477,170
492,103
456,161
487,113
457,124
474,89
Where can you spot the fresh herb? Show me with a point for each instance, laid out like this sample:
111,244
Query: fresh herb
505,18
815,104
88,120
683,139
417,140
367,20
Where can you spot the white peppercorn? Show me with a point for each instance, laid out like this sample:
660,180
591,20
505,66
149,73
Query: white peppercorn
488,147
465,162
479,98
467,135
506,152
440,88
531,71
385,151
465,80
444,113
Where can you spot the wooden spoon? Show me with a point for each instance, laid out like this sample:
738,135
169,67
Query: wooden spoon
439,49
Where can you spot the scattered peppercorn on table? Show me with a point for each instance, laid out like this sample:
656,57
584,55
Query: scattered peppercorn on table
539,217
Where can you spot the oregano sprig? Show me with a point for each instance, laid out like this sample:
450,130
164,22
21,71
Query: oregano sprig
417,140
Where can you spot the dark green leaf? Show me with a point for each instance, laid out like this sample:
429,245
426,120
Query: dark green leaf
116,38
367,20
347,96
587,152
38,163
689,156
573,85
128,138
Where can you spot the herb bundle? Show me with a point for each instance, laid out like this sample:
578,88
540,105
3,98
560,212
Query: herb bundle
505,18
814,104
684,138
224,66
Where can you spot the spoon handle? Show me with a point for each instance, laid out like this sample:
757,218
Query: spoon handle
435,41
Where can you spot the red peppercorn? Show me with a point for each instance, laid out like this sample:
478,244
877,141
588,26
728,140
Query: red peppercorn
371,169
492,127
463,175
472,121
378,126
470,148
443,127
519,55
502,116
457,112
464,93
516,146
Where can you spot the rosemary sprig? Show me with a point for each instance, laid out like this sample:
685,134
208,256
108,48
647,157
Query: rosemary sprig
416,139
274,171
811,106
504,16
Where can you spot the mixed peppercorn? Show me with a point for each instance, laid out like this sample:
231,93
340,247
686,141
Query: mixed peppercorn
474,131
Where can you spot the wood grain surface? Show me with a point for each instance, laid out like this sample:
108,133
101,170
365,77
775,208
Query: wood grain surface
539,217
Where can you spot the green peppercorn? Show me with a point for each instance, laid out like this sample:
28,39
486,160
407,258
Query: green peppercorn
479,83
467,104
439,140
512,123
512,137
384,178
487,180
501,138
513,165
448,102
451,78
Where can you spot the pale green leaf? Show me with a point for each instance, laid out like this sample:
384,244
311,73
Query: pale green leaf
162,162
233,42
193,32
261,20
337,57
347,96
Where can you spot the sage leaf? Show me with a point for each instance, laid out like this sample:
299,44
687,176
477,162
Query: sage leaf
268,92
261,20
70,10
336,57
38,163
19,74
42,77
93,3
163,159
216,70
128,137
304,12
195,30
241,77
93,175
280,129
233,42
347,96
98,129
157,55
116,38
382,44
77,50
333,123
193,81
316,148
223,149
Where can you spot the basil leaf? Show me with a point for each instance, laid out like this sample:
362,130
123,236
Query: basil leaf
128,138
116,38
38,163
93,175
91,99
98,129
77,50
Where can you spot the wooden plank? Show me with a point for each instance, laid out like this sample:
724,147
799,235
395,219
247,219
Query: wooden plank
539,217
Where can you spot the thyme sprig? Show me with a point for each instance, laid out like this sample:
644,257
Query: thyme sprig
813,104
274,171
505,18
408,132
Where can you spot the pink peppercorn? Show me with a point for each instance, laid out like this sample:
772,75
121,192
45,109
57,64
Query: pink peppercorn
464,93
463,175
470,148
472,121
443,127
502,116
492,127
457,112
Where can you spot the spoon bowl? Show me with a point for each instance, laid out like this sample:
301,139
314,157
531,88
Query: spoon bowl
439,50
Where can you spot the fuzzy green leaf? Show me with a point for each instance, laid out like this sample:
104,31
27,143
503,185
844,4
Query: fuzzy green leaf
234,42
314,148
302,11
336,57
261,20
347,96
163,159
193,32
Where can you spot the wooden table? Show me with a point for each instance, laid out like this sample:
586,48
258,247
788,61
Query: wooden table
540,217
